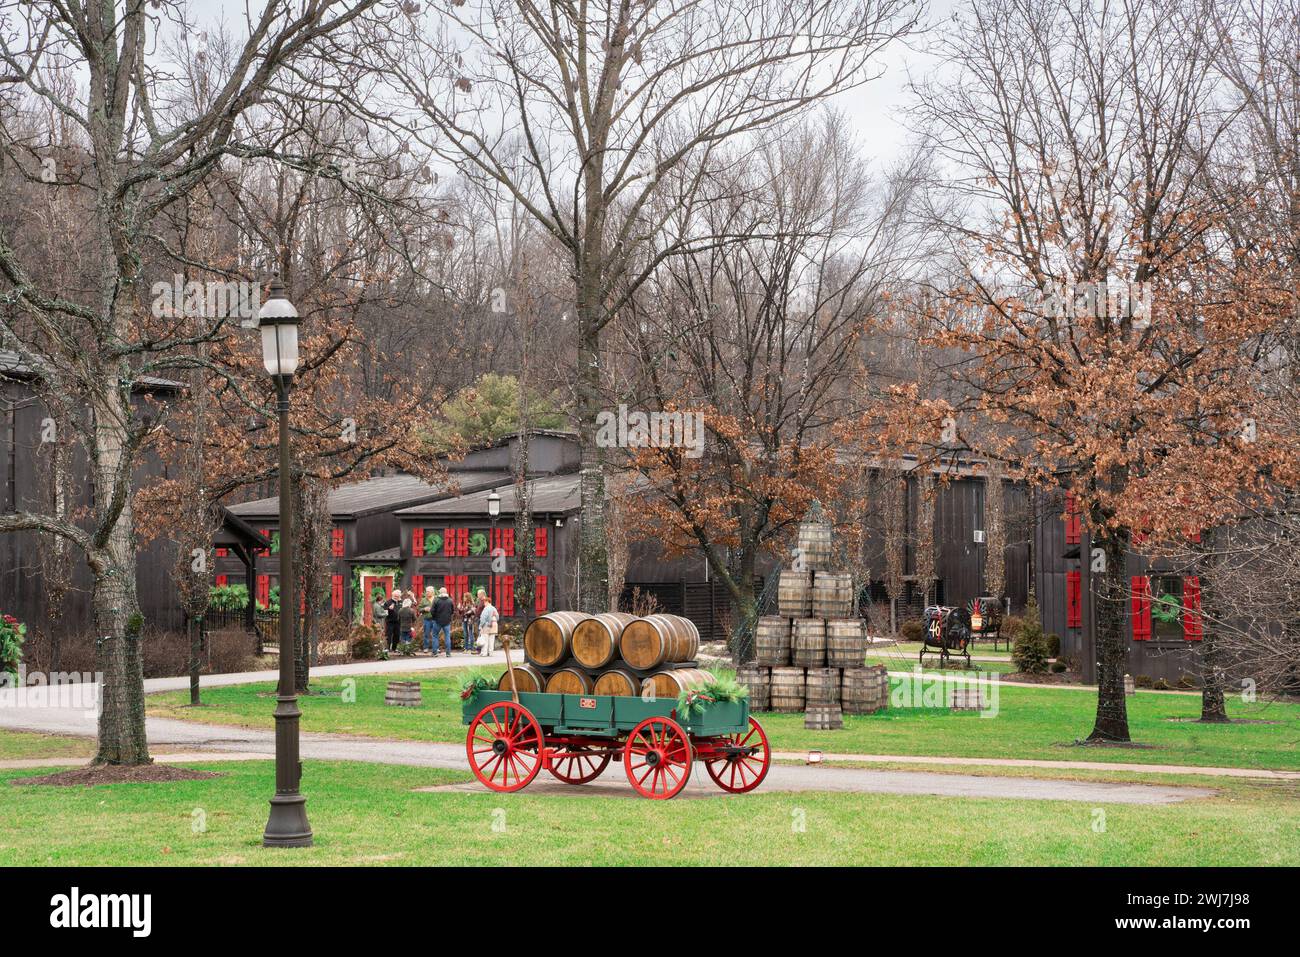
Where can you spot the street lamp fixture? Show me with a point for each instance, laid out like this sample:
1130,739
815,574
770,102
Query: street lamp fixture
494,505
287,825
494,513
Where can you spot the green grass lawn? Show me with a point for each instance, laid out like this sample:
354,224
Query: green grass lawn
369,814
906,662
1031,723
23,745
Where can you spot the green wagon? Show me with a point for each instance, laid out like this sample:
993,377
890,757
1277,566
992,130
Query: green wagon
574,737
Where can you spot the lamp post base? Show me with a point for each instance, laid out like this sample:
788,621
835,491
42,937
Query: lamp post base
287,826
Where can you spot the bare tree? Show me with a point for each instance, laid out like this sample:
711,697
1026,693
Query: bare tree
582,111
140,147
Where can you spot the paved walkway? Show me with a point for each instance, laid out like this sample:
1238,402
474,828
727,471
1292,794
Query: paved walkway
214,742
1265,773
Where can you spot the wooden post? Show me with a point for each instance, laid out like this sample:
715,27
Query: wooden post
510,668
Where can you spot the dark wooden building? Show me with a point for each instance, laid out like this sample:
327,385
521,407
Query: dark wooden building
1163,645
23,591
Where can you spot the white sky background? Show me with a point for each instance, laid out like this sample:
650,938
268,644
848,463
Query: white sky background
875,110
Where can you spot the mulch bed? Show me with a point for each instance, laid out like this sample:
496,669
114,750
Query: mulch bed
118,774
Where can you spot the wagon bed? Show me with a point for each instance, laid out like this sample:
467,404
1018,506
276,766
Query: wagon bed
574,737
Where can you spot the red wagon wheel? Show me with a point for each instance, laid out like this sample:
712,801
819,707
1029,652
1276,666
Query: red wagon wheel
657,758
744,760
504,746
579,764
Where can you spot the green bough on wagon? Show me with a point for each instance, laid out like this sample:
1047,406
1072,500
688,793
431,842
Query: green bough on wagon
511,738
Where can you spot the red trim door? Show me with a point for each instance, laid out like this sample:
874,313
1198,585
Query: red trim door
368,583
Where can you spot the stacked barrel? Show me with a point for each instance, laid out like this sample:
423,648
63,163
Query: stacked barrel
810,657
569,652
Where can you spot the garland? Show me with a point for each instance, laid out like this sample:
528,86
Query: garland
717,687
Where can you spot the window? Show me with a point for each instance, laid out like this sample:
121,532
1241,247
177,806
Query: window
1165,607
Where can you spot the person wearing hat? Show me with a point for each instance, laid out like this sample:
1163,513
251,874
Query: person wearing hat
444,610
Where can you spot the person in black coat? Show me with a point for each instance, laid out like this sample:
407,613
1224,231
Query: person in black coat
393,623
444,610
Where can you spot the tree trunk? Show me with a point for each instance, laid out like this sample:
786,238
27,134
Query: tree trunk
196,651
118,626
1213,707
1112,708
593,559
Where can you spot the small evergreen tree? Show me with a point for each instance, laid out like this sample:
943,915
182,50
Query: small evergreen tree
1029,650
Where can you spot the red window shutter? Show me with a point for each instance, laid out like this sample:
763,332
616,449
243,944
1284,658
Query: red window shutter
505,598
1193,627
462,586
449,583
462,542
223,581
222,553
449,543
1141,607
539,541
508,540
417,584
539,604
1073,522
337,542
1073,600
336,592
264,590
417,542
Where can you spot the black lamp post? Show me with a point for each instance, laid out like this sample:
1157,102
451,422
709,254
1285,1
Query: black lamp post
494,513
287,825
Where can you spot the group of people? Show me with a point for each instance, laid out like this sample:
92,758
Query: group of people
400,616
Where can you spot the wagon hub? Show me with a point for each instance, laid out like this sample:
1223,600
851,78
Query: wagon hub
653,757
500,746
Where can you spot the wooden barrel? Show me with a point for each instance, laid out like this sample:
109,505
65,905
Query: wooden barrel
595,639
822,686
824,717
794,594
619,683
548,639
864,690
772,641
816,544
846,643
656,640
403,694
787,689
669,684
759,682
832,595
808,643
570,681
527,678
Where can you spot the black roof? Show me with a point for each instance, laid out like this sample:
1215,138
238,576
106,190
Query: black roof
12,366
383,494
550,494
